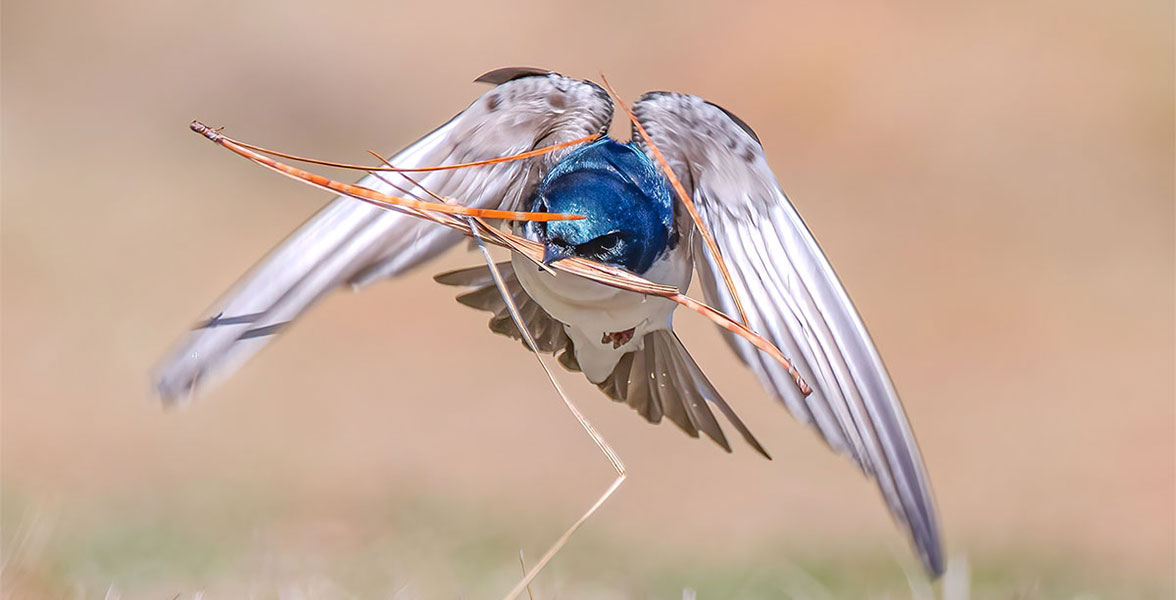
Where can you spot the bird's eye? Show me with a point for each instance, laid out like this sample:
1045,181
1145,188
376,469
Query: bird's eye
600,246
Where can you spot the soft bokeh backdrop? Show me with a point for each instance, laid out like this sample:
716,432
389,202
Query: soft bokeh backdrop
994,182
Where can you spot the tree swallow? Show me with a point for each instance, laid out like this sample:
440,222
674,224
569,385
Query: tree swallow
622,341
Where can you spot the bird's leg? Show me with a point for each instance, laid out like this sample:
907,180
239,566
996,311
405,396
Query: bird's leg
609,453
618,338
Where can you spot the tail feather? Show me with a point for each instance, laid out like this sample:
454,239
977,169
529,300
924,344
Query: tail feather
547,332
659,380
662,379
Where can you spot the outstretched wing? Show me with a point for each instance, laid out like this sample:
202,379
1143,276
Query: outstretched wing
792,297
352,242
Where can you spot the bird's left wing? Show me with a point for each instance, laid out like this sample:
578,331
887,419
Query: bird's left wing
352,242
792,297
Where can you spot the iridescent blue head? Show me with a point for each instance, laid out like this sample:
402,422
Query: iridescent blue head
627,203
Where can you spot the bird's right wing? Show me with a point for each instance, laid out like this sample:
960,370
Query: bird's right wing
352,242
793,298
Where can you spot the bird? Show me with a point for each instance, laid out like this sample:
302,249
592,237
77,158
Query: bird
623,342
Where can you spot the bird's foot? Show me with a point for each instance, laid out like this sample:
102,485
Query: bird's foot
618,338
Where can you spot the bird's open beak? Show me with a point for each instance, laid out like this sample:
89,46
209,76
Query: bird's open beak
553,252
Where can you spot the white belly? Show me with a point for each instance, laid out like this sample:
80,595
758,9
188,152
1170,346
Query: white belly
590,311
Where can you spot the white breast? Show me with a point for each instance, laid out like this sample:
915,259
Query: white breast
590,311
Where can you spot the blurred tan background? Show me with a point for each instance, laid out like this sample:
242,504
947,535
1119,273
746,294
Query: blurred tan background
994,184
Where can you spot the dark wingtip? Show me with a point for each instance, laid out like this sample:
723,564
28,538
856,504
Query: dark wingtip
924,532
931,553
936,567
744,126
730,115
505,74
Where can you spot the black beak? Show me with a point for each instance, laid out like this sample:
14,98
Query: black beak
555,251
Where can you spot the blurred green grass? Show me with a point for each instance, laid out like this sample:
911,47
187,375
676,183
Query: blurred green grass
428,546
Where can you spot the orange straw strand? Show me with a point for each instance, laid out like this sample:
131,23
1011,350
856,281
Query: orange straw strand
685,198
479,163
367,194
